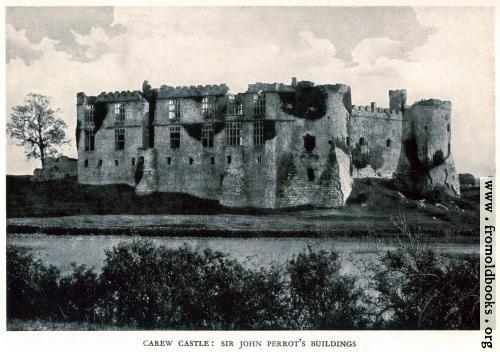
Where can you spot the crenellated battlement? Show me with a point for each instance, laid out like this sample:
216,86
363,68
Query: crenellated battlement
117,96
371,111
192,91
269,87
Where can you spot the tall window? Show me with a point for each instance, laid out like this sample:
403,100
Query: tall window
89,113
207,135
208,107
234,107
119,138
89,140
258,133
174,109
234,135
120,112
259,104
175,137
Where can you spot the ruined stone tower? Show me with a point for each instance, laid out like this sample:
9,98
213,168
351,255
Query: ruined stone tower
272,146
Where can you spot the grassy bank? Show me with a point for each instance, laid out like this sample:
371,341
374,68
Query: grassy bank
65,207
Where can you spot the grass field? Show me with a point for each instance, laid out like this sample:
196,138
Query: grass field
65,207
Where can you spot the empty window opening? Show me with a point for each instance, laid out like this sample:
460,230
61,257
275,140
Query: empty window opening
120,112
258,133
362,141
347,141
234,107
228,159
388,143
449,148
119,138
258,159
207,135
208,107
309,143
89,113
212,160
310,175
133,161
191,161
89,140
234,135
86,163
174,109
99,163
169,160
116,162
425,127
259,104
448,127
175,137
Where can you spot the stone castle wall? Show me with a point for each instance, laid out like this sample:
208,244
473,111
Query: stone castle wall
375,140
314,142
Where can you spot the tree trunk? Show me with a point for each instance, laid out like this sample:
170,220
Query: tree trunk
42,156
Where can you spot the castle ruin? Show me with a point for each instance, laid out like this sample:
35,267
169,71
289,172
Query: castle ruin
273,146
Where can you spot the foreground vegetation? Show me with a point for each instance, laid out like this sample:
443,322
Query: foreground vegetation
143,286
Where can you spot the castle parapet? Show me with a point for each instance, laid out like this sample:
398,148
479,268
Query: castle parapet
192,91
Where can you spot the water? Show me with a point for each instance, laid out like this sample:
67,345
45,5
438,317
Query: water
61,251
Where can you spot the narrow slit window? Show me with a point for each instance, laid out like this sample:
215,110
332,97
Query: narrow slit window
99,163
169,160
86,163
310,175
116,162
228,159
191,161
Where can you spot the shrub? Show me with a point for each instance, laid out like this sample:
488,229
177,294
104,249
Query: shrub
154,287
417,289
80,293
322,298
32,287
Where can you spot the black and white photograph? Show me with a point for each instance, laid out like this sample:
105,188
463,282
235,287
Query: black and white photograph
248,168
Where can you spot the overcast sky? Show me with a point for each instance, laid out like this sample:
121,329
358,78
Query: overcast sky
444,53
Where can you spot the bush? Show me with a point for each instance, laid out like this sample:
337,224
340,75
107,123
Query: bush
155,287
417,289
80,293
322,298
32,287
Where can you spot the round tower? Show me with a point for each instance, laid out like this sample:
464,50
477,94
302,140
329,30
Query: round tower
431,125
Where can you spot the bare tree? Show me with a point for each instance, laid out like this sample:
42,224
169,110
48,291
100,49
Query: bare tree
37,127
